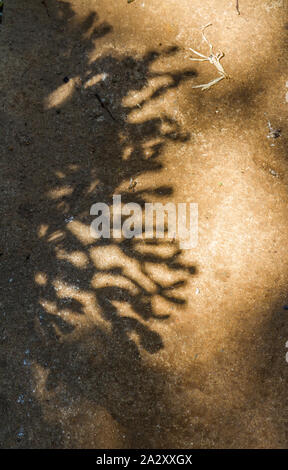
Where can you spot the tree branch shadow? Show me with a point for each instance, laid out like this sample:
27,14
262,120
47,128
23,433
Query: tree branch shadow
96,314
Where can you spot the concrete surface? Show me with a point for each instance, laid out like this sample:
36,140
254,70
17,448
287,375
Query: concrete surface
127,344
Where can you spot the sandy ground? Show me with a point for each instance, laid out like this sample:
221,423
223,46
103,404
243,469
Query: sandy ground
123,343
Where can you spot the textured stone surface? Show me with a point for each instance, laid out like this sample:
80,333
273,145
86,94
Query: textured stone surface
126,344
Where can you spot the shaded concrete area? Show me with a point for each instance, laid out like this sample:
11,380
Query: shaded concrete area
125,343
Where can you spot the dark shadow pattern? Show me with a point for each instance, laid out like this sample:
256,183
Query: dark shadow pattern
82,159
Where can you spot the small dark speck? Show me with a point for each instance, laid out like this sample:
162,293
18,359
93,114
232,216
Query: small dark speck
276,133
66,79
285,307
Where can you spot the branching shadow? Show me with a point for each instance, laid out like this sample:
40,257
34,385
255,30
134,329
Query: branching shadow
97,297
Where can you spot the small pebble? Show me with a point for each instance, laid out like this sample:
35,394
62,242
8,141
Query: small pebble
20,399
20,434
272,172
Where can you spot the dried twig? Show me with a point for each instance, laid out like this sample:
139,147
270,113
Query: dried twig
237,7
214,59
46,8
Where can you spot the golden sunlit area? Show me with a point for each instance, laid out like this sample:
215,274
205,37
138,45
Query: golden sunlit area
117,342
